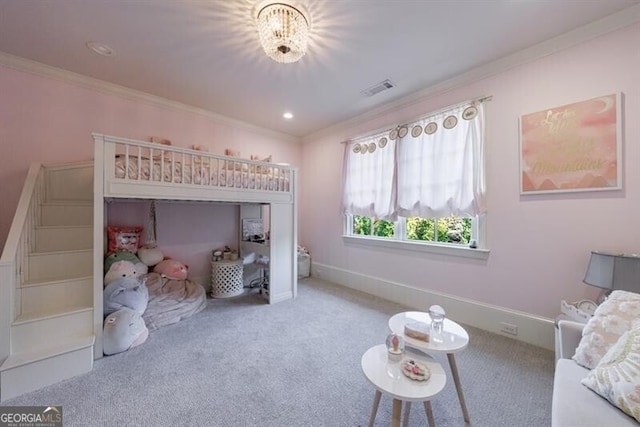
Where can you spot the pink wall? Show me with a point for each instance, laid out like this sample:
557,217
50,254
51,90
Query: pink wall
539,245
48,120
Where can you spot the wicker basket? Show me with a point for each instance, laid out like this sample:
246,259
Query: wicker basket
226,278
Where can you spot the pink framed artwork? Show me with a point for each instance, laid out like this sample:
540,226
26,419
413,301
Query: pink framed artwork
574,147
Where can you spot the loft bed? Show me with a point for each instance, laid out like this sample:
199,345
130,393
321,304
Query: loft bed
130,169
138,169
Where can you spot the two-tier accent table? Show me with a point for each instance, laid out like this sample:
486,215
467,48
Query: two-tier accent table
455,339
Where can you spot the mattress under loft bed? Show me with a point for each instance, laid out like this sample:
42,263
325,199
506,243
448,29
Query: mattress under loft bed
130,169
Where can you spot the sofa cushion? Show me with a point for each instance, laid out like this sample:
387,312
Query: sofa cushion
575,405
617,376
611,319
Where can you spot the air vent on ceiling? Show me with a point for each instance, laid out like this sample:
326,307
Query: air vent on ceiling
384,85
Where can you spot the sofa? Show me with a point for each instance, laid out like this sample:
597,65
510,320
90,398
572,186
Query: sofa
573,403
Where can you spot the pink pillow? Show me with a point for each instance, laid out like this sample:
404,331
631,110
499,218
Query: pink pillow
123,238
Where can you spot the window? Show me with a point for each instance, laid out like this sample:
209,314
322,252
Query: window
452,230
421,183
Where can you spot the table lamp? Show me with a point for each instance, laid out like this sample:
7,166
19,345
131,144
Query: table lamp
613,272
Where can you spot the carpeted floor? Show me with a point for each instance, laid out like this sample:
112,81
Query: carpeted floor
241,362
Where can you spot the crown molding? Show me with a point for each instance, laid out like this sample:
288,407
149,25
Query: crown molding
40,69
601,27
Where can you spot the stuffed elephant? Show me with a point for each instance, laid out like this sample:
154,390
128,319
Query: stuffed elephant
127,292
123,329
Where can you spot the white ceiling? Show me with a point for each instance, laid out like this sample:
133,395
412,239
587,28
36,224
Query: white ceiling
207,54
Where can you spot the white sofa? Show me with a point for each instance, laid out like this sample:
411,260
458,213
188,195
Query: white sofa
573,403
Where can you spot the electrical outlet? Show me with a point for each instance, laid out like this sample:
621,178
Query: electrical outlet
508,328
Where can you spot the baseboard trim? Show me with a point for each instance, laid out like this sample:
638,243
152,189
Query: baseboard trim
535,330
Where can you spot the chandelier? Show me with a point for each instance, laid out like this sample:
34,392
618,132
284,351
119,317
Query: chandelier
284,31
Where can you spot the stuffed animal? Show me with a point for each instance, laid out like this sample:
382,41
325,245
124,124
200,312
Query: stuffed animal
150,255
119,270
126,292
125,256
171,269
123,329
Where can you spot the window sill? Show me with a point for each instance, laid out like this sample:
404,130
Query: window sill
434,248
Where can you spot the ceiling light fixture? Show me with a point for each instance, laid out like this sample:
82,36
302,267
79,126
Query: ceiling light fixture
284,31
288,115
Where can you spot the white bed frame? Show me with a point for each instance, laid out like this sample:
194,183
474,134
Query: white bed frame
182,171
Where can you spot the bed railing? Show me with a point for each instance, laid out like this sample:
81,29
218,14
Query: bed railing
143,162
13,263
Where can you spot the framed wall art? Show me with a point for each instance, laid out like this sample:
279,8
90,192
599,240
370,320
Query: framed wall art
573,147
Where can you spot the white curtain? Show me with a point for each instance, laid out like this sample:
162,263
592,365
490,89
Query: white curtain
369,177
433,169
442,173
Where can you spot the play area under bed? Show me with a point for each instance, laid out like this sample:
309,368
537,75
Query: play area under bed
133,169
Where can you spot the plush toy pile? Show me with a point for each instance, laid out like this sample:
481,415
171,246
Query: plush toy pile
136,301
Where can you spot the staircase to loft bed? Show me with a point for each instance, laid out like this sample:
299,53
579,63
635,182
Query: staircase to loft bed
46,283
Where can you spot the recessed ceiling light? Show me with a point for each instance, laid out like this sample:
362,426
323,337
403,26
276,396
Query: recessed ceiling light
288,115
101,48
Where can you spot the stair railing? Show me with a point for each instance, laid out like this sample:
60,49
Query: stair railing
14,260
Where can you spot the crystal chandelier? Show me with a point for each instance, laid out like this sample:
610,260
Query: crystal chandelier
284,31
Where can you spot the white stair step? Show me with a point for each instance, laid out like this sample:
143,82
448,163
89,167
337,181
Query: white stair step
48,266
32,370
70,182
67,213
63,238
45,296
38,331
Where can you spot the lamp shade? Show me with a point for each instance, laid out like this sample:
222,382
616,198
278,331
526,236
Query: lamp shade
613,271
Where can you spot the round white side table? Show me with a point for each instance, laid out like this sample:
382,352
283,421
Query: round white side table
226,278
454,339
387,377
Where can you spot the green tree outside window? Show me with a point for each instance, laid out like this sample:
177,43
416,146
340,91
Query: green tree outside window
450,229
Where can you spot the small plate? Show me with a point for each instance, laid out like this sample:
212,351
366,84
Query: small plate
415,370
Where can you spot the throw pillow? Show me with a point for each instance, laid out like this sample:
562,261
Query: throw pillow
261,159
123,238
159,140
617,376
611,319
